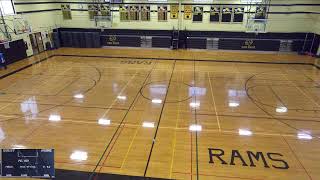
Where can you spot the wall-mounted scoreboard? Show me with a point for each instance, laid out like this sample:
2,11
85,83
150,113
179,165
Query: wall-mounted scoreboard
37,163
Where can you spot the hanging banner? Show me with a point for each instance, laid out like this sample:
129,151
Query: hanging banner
124,13
238,14
226,14
197,14
134,13
66,11
145,13
215,14
162,13
187,12
174,11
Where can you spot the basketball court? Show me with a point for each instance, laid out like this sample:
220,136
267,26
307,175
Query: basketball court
165,118
160,89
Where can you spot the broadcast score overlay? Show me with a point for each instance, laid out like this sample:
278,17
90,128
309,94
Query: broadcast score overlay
37,163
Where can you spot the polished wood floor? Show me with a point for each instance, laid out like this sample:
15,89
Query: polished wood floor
170,119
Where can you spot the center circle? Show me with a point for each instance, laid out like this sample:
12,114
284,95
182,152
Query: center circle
178,92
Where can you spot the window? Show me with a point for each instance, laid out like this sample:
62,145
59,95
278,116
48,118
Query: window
7,7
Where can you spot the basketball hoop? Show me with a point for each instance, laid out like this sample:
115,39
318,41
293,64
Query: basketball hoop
256,26
103,21
21,25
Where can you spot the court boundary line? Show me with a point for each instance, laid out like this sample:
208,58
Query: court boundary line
25,67
67,174
145,58
44,59
185,59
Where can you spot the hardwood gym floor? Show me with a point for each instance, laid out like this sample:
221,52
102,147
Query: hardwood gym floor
174,119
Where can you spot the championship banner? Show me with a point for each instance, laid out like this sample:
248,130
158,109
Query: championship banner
162,13
261,12
187,12
105,10
215,14
145,13
197,13
174,11
93,11
124,13
238,14
134,13
226,14
66,11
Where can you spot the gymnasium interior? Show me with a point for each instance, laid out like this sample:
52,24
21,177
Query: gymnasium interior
160,89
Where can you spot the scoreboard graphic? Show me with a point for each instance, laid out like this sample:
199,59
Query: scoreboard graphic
38,163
